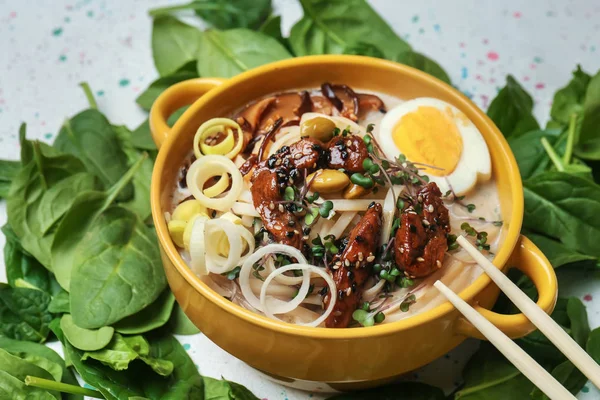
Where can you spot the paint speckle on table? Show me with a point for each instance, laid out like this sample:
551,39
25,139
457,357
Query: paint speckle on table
187,346
588,297
124,82
57,32
492,56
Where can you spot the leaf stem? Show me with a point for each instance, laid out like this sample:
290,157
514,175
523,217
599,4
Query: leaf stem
570,139
552,154
114,191
194,5
61,387
90,96
37,156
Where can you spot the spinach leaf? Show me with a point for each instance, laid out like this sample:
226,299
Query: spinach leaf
174,44
122,350
558,254
123,260
20,368
85,339
568,375
152,317
398,391
569,100
364,49
147,98
39,350
580,328
22,270
112,384
45,168
272,27
529,151
24,313
593,345
489,375
141,137
8,172
90,137
60,303
14,389
228,53
588,144
511,109
180,324
332,26
73,227
53,368
224,15
565,207
423,63
192,388
140,202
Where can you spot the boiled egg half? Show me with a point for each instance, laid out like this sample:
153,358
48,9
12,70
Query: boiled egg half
439,138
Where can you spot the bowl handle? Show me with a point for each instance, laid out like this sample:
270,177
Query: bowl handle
179,95
532,262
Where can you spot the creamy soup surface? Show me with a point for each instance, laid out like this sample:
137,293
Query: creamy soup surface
335,207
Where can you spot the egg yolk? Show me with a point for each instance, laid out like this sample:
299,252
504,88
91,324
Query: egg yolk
428,136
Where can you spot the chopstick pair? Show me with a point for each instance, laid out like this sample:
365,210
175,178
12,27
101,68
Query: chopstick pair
523,361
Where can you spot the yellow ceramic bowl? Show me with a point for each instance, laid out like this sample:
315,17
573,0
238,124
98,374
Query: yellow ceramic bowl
363,356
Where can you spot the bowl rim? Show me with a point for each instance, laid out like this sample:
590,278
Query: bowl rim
494,139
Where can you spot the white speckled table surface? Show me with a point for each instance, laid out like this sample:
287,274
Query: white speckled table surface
47,48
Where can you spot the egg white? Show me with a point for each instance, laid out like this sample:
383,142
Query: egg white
474,164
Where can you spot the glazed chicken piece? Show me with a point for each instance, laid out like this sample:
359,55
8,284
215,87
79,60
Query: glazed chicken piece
269,181
347,152
421,242
351,269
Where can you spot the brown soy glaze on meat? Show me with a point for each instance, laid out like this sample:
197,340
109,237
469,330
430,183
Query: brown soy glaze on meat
269,181
420,241
348,153
351,269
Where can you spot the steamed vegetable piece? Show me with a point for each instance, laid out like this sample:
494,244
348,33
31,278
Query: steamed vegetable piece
329,27
174,44
511,110
24,313
43,168
228,53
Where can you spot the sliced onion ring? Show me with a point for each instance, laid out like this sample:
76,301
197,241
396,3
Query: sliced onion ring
207,167
302,292
197,248
246,269
216,263
219,187
226,147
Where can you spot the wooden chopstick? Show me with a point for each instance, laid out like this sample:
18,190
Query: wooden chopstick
537,316
516,355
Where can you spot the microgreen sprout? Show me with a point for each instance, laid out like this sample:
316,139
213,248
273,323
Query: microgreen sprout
480,237
410,300
233,274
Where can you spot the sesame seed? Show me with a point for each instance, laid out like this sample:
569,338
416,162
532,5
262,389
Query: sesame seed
277,227
412,277
337,313
401,249
370,258
348,291
278,162
357,264
298,156
305,237
420,199
430,208
346,263
425,222
271,205
335,266
405,273
349,142
338,263
291,181
420,259
360,256
296,231
281,209
438,263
